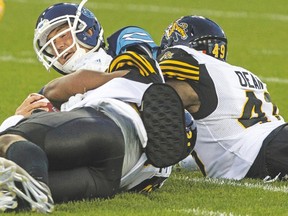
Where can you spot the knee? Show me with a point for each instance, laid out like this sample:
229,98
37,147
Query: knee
6,140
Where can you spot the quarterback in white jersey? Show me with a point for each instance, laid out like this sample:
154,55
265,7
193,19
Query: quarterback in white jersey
104,169
235,116
89,55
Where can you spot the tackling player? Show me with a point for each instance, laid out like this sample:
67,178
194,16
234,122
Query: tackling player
66,35
240,131
70,35
74,149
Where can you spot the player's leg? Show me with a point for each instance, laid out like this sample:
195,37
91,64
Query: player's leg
70,139
23,175
81,137
88,153
164,120
26,154
272,161
83,183
87,139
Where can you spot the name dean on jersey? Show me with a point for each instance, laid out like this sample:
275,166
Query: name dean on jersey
249,80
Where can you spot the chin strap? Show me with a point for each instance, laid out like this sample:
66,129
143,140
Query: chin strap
68,67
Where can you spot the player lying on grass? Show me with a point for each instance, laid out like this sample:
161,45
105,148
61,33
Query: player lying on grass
69,38
55,33
71,41
59,40
79,144
240,131
89,152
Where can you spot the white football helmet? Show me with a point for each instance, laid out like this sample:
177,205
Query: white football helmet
79,20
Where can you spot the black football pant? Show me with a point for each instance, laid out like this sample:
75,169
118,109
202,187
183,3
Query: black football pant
272,160
85,151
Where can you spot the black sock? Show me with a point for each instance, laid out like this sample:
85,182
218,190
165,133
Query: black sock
31,158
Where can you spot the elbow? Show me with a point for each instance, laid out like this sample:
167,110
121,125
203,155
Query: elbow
49,91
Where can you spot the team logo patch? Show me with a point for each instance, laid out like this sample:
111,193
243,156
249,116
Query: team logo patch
167,55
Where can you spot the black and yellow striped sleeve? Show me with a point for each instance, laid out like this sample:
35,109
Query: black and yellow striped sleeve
176,63
132,59
179,69
142,67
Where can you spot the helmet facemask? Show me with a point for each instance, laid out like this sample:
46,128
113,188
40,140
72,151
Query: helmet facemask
47,52
46,49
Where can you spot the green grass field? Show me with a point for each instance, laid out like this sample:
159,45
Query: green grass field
257,33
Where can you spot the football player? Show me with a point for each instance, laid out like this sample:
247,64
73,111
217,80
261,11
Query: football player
65,30
240,131
93,151
74,149
58,40
130,38
69,37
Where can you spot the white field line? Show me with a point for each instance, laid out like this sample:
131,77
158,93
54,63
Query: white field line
263,186
171,10
274,80
25,60
30,60
202,212
175,10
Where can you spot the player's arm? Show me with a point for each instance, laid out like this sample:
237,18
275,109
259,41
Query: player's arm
181,70
60,89
187,94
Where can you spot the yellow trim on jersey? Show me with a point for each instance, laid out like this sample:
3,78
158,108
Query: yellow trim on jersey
184,70
179,70
132,59
179,76
180,63
135,107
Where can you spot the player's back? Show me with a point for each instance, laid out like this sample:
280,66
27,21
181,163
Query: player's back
235,116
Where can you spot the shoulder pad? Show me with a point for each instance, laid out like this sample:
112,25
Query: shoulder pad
130,36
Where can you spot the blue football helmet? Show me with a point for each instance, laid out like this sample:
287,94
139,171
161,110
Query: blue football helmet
199,33
80,20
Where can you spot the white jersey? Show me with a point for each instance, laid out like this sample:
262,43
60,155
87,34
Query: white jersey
235,116
98,61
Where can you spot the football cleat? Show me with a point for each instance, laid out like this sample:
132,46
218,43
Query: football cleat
16,185
163,116
7,200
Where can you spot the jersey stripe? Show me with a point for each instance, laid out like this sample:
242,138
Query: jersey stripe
180,70
180,63
132,59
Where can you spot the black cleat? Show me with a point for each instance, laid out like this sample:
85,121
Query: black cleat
163,116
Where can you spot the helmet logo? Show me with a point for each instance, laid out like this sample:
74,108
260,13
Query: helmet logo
179,29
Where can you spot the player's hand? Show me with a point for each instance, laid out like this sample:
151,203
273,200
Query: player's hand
30,104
